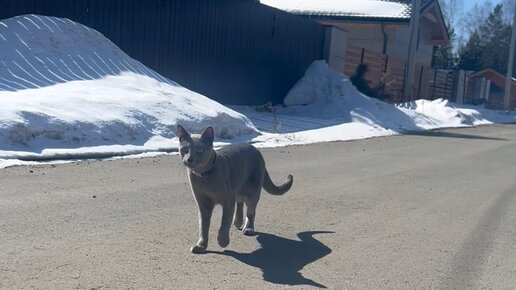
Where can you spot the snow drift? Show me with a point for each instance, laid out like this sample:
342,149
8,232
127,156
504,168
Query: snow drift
326,94
66,90
39,51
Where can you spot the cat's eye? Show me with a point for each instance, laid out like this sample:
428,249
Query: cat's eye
184,150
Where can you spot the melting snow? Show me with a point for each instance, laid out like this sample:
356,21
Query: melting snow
66,92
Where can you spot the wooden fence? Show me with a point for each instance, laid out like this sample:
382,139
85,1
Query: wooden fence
442,84
381,68
428,83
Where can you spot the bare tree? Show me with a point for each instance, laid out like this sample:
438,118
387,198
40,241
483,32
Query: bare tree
470,20
508,7
452,9
473,18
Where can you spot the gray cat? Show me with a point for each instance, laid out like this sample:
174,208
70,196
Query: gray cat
234,174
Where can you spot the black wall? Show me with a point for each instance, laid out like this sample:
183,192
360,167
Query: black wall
233,51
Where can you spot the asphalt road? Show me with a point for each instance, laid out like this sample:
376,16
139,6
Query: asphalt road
434,210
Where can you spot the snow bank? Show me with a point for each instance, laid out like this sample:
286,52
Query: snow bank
66,91
326,94
449,115
320,85
39,51
124,109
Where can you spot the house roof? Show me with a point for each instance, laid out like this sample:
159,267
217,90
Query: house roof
390,11
383,9
498,79
493,75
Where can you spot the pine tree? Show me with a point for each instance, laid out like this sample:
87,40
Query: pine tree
470,55
488,45
496,51
443,56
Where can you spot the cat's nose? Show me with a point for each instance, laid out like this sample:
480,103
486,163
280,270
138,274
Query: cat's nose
190,160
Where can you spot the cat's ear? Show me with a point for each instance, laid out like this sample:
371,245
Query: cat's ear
182,133
208,135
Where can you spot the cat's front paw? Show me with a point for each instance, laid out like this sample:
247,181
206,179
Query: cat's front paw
238,223
223,240
248,232
198,249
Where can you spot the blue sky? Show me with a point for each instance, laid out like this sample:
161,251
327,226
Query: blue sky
470,3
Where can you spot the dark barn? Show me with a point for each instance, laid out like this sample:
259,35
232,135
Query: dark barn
233,51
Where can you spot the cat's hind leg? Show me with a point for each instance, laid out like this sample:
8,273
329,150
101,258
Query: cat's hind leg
239,215
251,203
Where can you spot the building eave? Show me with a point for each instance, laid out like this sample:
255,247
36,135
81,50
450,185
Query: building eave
435,8
430,10
359,19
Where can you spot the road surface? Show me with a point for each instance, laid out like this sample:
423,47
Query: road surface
433,210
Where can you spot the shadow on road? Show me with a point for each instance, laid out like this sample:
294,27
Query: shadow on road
444,134
281,259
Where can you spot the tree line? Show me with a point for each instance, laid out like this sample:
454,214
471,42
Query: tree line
483,40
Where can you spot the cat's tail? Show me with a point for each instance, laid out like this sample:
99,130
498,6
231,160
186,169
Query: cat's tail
271,188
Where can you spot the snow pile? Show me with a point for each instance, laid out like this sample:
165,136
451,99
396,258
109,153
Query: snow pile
39,51
320,85
443,114
326,94
325,106
124,109
66,91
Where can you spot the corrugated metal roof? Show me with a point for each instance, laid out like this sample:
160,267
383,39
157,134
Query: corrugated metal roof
394,9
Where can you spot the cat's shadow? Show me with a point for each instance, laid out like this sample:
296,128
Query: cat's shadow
281,259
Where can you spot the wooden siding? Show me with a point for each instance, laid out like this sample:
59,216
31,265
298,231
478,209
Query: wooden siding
380,67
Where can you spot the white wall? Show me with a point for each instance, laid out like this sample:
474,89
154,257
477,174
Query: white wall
337,48
424,50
